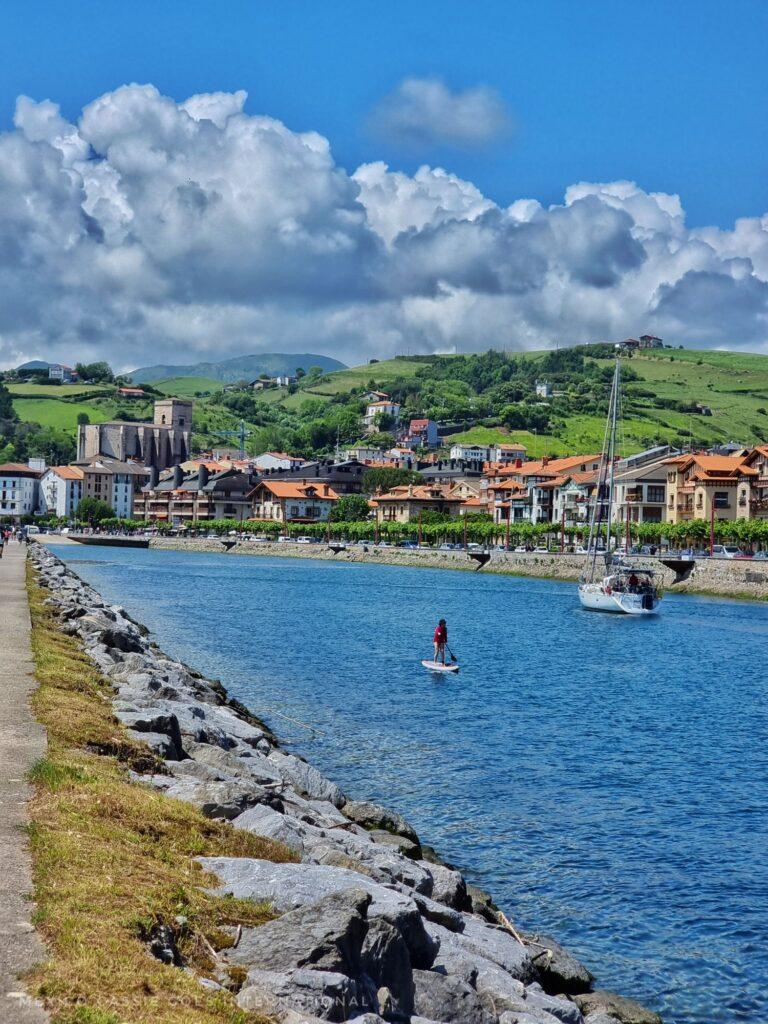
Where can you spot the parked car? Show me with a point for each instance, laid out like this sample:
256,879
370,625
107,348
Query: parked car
727,551
521,548
303,540
541,550
761,556
446,547
474,547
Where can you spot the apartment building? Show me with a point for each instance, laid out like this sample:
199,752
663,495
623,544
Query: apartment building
701,486
61,488
19,488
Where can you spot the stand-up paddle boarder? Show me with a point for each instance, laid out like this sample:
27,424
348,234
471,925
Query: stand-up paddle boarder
440,639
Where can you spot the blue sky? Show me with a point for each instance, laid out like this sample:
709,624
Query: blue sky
671,95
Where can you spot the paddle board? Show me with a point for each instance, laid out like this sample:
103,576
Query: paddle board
438,666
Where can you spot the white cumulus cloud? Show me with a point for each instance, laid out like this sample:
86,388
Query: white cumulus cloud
151,230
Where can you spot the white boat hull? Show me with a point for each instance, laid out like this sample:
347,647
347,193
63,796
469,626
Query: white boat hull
594,597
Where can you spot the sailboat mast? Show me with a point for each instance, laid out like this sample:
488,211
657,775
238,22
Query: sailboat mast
605,481
612,452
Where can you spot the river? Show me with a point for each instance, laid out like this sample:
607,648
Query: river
604,777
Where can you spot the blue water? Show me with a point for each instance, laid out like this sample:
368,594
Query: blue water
604,777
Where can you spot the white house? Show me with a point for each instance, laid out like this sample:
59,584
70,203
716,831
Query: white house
19,488
277,460
365,453
384,407
61,489
471,452
61,372
543,389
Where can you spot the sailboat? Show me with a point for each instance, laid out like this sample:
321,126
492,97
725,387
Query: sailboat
608,584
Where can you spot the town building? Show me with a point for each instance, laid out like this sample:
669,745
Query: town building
342,477
640,493
542,478
709,487
20,488
543,389
422,433
405,504
376,396
365,453
471,452
452,471
571,498
62,373
382,409
132,393
292,501
176,498
61,488
757,459
112,481
164,442
507,453
628,346
277,460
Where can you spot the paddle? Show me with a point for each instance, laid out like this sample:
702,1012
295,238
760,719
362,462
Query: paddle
454,659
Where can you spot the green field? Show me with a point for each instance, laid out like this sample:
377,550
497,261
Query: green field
59,390
51,412
187,387
359,376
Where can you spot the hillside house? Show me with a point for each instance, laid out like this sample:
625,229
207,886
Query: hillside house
650,341
543,389
381,408
471,452
507,453
422,433
62,373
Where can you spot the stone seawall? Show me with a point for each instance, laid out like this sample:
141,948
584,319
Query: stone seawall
374,926
738,578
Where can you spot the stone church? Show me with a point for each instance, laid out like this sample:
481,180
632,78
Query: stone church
160,444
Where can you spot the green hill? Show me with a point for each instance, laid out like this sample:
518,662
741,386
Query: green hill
679,396
247,367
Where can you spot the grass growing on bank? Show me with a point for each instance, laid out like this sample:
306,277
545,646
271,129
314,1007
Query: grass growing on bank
112,859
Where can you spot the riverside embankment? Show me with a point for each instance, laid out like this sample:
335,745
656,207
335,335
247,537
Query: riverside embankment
373,926
737,578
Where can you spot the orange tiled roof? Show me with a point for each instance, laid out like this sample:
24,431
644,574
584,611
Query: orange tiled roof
298,489
68,472
419,492
553,467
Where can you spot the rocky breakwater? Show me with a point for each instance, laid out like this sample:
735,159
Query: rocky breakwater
373,926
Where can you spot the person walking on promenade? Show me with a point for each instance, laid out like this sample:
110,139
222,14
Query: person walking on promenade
440,640
2,543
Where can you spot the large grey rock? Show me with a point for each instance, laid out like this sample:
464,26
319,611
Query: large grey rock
158,743
324,994
167,724
215,799
306,778
559,969
288,886
404,845
325,936
448,886
445,998
600,1018
497,989
264,821
626,1011
251,765
439,913
498,946
373,816
527,1017
386,960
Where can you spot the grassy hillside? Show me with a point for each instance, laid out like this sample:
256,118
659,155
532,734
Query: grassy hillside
59,390
187,387
486,397
246,367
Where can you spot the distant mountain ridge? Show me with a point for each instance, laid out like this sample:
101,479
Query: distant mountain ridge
239,368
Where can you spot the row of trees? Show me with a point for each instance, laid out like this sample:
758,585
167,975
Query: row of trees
750,533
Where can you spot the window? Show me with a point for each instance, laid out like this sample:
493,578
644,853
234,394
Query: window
294,511
656,494
721,499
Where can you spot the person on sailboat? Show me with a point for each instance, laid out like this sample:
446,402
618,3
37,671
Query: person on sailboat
440,640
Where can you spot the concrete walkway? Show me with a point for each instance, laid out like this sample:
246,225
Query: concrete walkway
22,742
